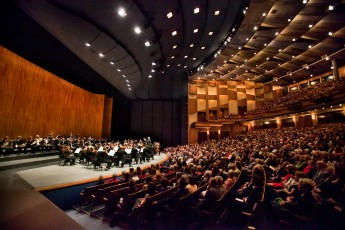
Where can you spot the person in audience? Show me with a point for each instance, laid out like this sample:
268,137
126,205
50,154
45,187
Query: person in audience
192,184
112,179
100,180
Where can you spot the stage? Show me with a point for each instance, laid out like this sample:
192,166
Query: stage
60,176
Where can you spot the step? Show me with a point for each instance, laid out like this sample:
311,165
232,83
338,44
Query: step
36,161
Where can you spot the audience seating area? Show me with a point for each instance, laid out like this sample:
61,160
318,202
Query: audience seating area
252,171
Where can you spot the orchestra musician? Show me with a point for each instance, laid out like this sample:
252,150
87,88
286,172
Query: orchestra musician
68,155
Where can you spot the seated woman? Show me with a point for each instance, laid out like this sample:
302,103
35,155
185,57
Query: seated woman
192,184
303,205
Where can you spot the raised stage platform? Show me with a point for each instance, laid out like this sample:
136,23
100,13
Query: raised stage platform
60,176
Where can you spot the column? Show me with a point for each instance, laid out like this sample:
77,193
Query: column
314,119
335,70
279,122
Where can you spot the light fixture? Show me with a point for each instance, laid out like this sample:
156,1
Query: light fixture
87,44
194,59
289,20
118,70
330,33
276,33
150,76
247,39
122,12
264,14
294,39
137,30
330,7
169,15
310,46
305,1
172,57
185,56
202,47
216,12
305,66
174,33
191,45
154,63
196,10
210,33
147,43
255,28
310,25
123,75
112,63
175,46
195,30
101,55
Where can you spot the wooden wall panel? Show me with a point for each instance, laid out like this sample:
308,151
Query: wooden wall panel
201,90
212,90
192,106
201,104
192,89
223,100
212,104
34,101
107,115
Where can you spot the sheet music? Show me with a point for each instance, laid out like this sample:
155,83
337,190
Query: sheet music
116,148
100,149
77,150
128,151
111,153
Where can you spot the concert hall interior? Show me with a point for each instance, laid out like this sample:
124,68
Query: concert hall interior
172,114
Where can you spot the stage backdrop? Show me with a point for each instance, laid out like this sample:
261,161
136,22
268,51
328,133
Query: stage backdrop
34,101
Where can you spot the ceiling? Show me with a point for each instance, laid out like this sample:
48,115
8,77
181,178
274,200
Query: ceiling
91,45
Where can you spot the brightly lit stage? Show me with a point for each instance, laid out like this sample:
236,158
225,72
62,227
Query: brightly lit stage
59,176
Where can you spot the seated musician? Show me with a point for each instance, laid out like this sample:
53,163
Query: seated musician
69,155
135,154
120,156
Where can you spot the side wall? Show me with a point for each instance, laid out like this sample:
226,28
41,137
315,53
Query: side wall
34,101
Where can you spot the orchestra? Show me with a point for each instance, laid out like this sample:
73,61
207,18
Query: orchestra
88,150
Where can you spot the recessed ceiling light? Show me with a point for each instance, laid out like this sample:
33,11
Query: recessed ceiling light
310,25
169,15
122,12
194,59
127,81
310,46
154,63
152,70
137,30
276,33
330,33
289,20
293,56
202,47
185,56
179,65
240,48
150,76
305,1
265,44
210,33
175,46
280,50
264,14
101,55
129,89
112,63
128,85
196,10
185,66
172,57
168,66
147,43
294,39
254,53
216,12
123,75
196,30
87,44
267,58
330,7
191,45
174,33
247,39
255,28
118,70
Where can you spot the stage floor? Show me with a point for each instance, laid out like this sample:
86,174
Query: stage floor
59,176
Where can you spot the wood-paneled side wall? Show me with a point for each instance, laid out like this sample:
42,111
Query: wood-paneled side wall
34,101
